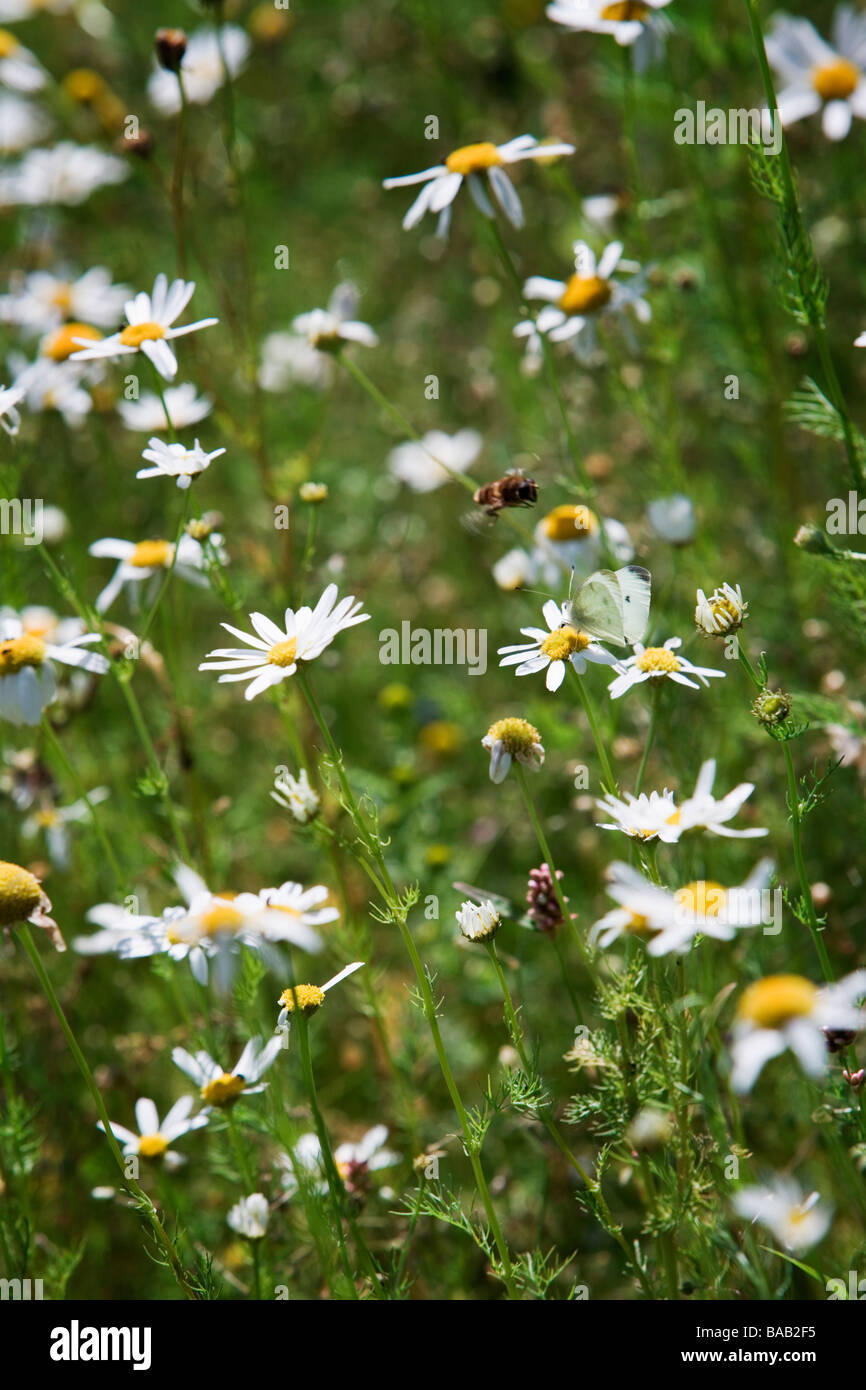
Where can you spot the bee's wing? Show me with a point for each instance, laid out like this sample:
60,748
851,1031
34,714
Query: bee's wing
477,522
504,906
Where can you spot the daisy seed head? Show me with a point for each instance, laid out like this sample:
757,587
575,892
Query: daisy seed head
772,707
20,893
308,998
776,1000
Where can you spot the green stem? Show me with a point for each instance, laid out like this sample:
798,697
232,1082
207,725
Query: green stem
94,816
609,782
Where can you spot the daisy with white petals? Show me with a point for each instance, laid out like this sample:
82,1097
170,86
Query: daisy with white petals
657,815
789,1011
468,164
185,407
627,21
154,1137
10,399
509,739
27,680
798,1221
309,998
52,821
250,1216
220,1088
149,327
276,652
657,664
552,649
817,76
425,464
176,461
577,304
67,174
19,68
478,921
147,560
297,796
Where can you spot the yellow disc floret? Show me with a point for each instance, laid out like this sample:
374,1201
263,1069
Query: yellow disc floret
625,11
585,294
223,1089
776,1000
307,998
152,1145
151,555
517,735
220,918
837,80
138,333
61,344
20,893
564,642
8,43
283,653
473,159
18,652
658,661
704,898
570,522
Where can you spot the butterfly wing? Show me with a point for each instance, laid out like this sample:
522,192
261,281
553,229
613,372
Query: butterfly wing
613,605
636,588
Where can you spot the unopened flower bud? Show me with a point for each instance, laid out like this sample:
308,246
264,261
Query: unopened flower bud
837,1039
170,48
813,539
478,922
772,707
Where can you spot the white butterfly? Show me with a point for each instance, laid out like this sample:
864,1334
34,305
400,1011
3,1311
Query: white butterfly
612,605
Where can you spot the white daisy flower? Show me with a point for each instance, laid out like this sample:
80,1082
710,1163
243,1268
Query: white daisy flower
44,300
670,921
629,22
185,408
54,385
724,611
22,124
309,998
572,537
221,1088
327,329
250,1216
860,340
117,926
67,173
478,921
23,899
788,1011
10,398
552,649
427,463
818,76
533,348
354,1162
303,1166
306,354
297,796
149,330
652,816
673,518
798,1221
155,1137
52,822
276,652
657,816
512,738
19,68
576,305
176,461
202,68
644,908
442,182
658,663
146,560
27,680
513,570
298,904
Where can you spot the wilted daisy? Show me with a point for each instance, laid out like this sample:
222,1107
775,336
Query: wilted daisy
147,560
19,68
673,518
478,921
724,611
153,1138
798,1221
577,304
52,822
657,816
149,319
185,407
220,1088
309,998
67,174
27,680
276,652
442,182
43,300
297,796
176,461
658,663
789,1011
23,899
818,76
551,650
425,464
512,738
250,1216
22,124
203,69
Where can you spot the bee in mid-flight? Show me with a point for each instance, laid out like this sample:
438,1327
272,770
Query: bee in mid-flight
514,490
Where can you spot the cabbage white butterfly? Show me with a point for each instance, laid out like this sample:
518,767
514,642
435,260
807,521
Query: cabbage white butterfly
612,605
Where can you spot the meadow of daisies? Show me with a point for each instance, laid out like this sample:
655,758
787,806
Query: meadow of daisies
432,628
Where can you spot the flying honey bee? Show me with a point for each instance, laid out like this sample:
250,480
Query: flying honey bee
514,490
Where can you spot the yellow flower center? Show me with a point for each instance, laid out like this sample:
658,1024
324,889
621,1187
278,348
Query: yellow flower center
17,652
774,1001
570,522
62,298
47,818
585,294
223,1089
152,1145
623,10
705,898
518,735
138,333
84,85
151,555
562,643
637,925
219,918
473,159
658,661
308,998
283,654
8,43
837,80
20,893
60,345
